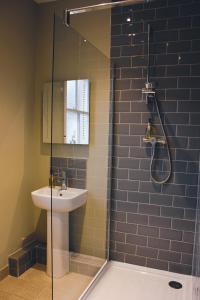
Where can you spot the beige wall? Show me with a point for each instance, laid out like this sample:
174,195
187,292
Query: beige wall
17,54
88,225
26,63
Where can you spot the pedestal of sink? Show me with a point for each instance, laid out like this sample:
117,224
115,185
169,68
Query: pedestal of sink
60,202
59,232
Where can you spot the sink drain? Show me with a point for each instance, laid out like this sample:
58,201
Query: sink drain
175,285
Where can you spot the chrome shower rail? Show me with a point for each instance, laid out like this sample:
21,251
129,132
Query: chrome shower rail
96,7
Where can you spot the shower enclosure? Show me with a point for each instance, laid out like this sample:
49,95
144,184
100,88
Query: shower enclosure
81,149
196,254
95,115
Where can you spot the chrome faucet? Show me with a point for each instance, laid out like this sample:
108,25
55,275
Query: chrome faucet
63,181
59,180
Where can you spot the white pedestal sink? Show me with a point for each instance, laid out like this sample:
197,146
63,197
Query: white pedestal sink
63,201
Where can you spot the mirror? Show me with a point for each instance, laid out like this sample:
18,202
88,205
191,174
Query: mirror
70,110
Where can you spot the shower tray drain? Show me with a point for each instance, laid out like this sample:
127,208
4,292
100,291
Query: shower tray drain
175,285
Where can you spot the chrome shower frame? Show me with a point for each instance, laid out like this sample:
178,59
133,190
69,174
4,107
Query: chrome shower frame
97,7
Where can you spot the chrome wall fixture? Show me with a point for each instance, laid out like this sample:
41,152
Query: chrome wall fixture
151,97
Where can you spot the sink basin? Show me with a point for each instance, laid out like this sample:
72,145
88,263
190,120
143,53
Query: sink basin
62,201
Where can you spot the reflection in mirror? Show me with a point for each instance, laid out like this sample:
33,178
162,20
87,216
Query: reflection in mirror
76,111
71,112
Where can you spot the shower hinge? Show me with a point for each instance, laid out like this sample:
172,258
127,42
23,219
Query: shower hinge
67,17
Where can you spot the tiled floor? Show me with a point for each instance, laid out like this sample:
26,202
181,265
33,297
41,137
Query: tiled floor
34,284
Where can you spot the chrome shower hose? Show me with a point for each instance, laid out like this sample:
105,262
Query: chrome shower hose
154,149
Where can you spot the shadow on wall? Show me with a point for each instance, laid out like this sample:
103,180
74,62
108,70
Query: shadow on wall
41,227
20,227
76,234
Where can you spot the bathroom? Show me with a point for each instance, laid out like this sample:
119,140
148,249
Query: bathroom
101,196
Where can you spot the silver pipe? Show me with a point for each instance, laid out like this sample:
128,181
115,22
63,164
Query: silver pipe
102,6
148,54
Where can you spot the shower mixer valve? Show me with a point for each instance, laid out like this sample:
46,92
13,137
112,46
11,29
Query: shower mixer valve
154,140
150,138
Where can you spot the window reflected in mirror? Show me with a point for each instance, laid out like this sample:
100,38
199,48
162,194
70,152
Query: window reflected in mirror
70,110
76,117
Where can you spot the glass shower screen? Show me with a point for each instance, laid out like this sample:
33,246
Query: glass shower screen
80,152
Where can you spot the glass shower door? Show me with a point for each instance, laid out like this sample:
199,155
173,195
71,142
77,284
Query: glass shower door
80,153
196,254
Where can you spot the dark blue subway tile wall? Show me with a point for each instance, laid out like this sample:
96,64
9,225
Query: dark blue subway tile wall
75,169
22,260
153,225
